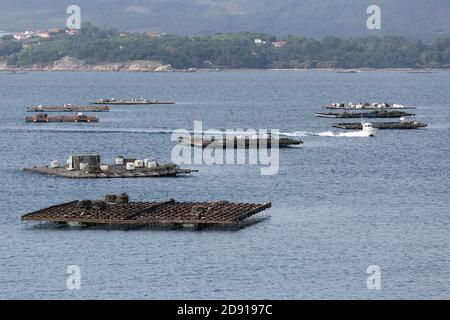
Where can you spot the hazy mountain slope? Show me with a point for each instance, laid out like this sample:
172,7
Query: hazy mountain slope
412,18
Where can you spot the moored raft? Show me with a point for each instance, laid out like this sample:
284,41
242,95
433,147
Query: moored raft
44,118
89,166
383,125
68,108
117,210
140,101
242,141
367,106
372,114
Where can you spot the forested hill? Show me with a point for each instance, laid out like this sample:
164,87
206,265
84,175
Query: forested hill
414,19
236,50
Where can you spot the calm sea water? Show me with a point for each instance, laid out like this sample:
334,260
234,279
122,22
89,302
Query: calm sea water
339,204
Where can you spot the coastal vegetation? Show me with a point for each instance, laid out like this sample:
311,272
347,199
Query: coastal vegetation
95,45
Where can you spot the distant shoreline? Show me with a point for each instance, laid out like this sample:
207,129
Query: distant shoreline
70,64
338,70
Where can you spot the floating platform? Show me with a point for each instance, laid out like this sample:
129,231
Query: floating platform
15,72
348,71
114,171
367,106
245,142
421,71
44,118
383,125
88,166
116,210
131,101
373,114
68,108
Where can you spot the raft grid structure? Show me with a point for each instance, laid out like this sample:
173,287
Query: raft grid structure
162,214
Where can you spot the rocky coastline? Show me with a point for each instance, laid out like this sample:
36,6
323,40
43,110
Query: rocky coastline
72,64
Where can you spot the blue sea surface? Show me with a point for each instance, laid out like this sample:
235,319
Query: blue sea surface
339,204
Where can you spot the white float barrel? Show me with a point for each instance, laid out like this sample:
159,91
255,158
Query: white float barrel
139,163
152,164
84,166
54,164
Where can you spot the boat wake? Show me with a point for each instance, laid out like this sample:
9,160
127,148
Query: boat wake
113,130
88,130
156,131
311,134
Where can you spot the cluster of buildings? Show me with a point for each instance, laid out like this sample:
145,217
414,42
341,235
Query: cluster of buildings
156,34
276,44
24,35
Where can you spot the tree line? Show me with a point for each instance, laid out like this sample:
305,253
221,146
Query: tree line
228,50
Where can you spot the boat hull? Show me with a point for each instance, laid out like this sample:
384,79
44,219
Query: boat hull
359,133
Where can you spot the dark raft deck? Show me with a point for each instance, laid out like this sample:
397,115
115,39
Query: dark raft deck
89,166
241,143
367,106
132,101
68,108
113,171
116,211
373,114
44,118
403,125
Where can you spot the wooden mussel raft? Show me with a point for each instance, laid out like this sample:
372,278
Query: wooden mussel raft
372,114
68,108
89,166
116,210
367,106
44,118
241,141
403,124
140,101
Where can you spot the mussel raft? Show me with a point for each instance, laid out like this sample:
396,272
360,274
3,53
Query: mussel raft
367,106
383,125
372,114
45,118
88,166
115,210
141,101
68,108
244,142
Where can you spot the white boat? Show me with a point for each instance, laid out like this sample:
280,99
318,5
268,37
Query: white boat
367,131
